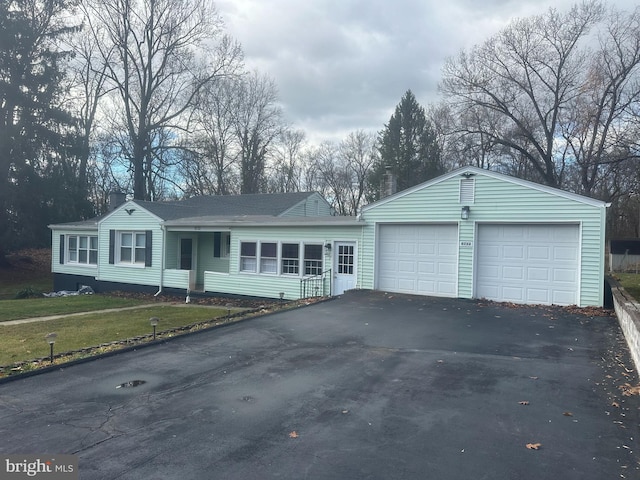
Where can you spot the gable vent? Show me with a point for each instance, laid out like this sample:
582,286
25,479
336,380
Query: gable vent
467,190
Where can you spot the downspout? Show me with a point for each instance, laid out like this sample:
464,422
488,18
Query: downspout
164,233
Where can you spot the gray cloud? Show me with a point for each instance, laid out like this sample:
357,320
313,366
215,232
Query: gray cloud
342,65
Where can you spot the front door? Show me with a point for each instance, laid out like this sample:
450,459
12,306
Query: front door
187,261
344,270
186,253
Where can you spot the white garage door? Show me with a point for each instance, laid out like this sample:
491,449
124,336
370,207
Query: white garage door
419,259
535,264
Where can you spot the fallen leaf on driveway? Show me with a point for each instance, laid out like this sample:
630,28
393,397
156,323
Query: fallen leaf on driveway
628,390
615,404
523,402
534,446
567,414
293,434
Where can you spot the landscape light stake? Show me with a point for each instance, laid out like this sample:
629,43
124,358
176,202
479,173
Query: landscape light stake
51,339
154,323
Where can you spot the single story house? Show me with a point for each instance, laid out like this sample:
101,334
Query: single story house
471,233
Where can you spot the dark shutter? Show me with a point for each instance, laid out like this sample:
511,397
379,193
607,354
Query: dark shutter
148,241
217,240
112,246
61,249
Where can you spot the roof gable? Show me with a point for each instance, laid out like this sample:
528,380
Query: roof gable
472,171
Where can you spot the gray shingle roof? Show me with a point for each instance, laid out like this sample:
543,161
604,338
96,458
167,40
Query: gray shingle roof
270,204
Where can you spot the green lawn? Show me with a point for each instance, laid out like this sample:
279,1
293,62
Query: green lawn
630,282
42,306
26,341
10,286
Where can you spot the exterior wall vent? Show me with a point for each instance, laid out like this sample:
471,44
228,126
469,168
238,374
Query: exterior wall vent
467,191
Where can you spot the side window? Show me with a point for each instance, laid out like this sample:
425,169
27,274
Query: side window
132,248
312,259
82,249
268,258
290,259
248,259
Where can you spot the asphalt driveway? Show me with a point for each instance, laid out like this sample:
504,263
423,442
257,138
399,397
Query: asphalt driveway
365,386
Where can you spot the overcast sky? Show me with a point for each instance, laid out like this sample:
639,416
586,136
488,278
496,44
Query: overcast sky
343,65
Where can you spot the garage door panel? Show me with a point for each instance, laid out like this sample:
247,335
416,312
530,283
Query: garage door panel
513,252
563,297
426,268
537,295
447,268
426,249
538,274
538,253
425,259
516,294
513,273
406,267
565,254
564,275
546,272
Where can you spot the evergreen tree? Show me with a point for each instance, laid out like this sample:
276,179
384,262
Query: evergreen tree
33,128
408,147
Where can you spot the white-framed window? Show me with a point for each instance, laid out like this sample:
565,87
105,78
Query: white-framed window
290,258
132,248
268,257
248,256
286,258
82,249
221,244
312,259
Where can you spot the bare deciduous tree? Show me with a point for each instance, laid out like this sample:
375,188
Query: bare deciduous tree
526,78
257,123
161,54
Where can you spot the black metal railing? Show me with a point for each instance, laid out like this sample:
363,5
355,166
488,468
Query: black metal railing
316,286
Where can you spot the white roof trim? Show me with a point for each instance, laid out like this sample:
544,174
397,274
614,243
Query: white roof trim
499,176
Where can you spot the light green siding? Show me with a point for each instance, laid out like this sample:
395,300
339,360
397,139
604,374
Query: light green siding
70,268
139,221
313,206
497,200
265,285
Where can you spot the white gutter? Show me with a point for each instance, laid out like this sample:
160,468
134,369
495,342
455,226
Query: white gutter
164,233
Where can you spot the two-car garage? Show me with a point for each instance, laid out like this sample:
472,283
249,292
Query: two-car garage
478,234
521,263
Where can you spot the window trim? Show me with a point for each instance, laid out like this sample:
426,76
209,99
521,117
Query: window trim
69,254
242,257
282,258
134,248
301,260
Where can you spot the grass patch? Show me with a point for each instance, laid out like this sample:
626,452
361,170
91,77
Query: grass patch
27,270
26,341
35,284
631,283
42,307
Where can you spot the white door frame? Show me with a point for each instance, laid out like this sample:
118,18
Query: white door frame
337,287
194,258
